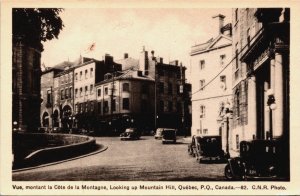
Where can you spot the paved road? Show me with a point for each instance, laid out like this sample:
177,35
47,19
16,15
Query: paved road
142,160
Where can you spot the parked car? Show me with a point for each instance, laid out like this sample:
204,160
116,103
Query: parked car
259,159
158,134
209,149
130,134
168,136
192,147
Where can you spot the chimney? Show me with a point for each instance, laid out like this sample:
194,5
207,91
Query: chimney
125,55
161,60
219,23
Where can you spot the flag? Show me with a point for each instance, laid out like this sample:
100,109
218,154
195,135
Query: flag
91,47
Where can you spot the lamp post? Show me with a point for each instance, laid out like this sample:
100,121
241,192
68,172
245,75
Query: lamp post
272,105
228,113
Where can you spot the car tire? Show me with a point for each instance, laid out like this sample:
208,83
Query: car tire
228,173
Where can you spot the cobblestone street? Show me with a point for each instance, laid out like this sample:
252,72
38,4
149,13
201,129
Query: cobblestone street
146,159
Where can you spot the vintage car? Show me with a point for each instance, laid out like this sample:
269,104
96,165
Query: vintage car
259,159
168,136
209,149
130,134
192,147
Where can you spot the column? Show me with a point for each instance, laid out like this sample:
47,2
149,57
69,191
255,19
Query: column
266,111
252,118
278,93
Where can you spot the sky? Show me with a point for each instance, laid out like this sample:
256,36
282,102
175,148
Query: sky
170,32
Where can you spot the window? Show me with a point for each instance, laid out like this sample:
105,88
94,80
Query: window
86,90
76,92
70,92
80,92
223,82
61,94
222,59
76,76
80,76
170,106
86,73
91,89
105,107
237,142
66,93
205,131
99,107
125,103
202,111
161,106
106,91
49,97
99,92
202,84
248,36
125,87
91,72
170,88
201,64
161,87
113,105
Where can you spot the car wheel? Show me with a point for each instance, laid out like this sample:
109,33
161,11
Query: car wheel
228,173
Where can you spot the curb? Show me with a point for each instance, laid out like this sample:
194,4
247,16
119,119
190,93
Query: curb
101,149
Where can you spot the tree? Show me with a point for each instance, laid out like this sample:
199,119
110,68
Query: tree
36,25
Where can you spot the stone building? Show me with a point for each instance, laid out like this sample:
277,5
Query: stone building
211,66
26,74
260,74
124,99
171,93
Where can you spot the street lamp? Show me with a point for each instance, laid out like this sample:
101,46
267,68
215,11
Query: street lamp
15,123
272,105
228,113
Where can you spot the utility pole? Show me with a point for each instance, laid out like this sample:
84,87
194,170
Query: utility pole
182,82
112,94
52,102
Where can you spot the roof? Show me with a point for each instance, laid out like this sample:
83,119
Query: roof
212,44
129,74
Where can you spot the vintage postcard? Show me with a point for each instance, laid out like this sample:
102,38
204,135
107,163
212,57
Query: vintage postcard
149,98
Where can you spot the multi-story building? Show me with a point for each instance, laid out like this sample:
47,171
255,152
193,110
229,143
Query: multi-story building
124,99
86,75
211,79
260,74
26,73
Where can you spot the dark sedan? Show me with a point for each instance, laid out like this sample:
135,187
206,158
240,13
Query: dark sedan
130,134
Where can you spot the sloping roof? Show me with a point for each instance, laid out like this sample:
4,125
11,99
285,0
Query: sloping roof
128,74
211,44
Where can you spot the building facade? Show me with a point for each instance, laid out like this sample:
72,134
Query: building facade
211,66
26,73
124,99
260,74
